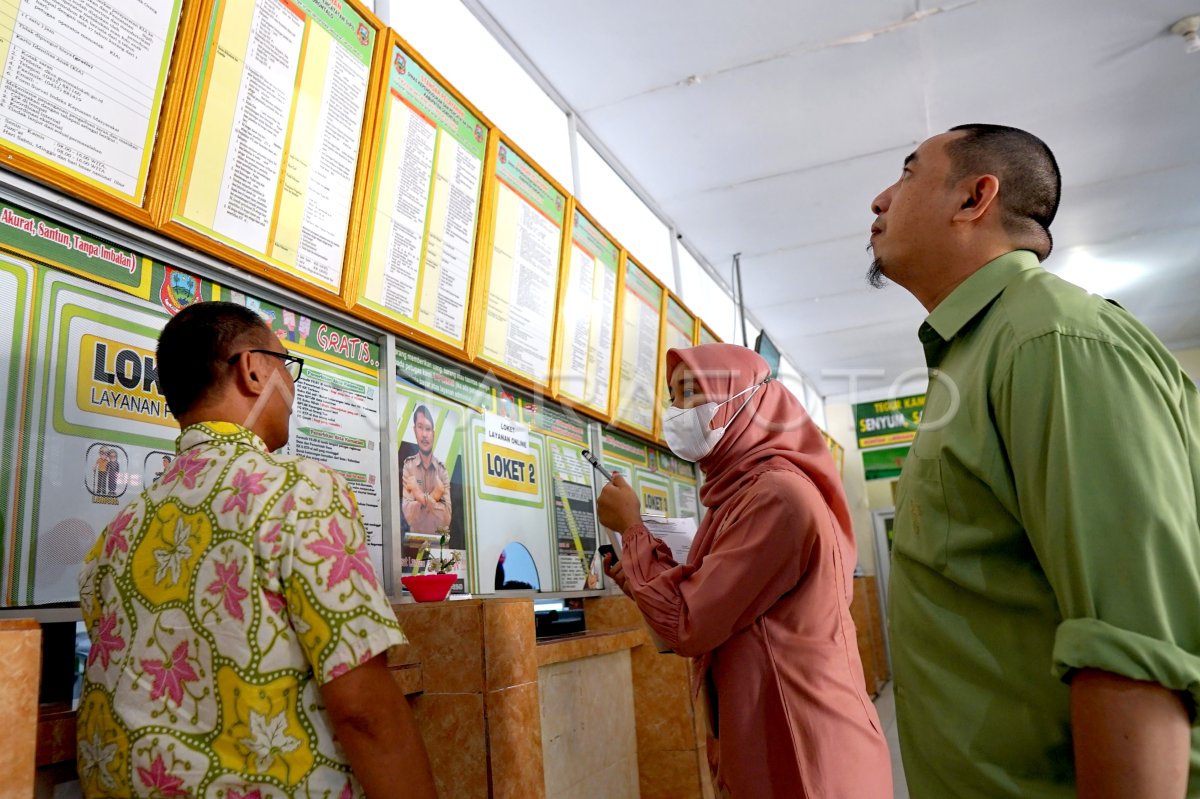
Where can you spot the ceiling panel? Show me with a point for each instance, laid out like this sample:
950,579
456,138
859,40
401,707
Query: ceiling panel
778,215
1122,208
601,53
1166,264
1098,81
867,354
778,148
776,117
802,319
828,269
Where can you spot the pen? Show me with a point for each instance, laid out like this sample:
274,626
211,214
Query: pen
590,458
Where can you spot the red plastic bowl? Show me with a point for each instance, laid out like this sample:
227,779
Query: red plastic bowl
429,587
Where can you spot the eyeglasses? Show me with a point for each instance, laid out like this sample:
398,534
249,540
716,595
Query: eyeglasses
293,364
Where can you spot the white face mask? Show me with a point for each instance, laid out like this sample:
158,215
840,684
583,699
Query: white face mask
689,433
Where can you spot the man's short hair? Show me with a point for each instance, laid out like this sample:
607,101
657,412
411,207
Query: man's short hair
1030,183
195,346
422,411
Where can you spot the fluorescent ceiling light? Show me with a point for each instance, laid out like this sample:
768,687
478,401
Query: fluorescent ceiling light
1096,275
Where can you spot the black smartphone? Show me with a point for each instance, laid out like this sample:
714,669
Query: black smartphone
607,549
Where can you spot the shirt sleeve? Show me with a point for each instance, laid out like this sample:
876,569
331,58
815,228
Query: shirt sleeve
441,509
758,554
408,501
337,604
1102,443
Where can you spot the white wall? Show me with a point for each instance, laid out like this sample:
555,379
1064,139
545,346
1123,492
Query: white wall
1190,361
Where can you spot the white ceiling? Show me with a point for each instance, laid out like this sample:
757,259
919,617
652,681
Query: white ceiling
767,126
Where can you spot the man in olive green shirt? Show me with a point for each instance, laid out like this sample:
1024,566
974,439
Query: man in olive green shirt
1045,591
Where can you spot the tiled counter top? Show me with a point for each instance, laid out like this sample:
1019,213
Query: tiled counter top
590,644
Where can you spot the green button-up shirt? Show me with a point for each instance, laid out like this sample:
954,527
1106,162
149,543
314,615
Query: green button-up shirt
1046,521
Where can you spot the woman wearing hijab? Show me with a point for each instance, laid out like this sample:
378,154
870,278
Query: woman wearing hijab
763,603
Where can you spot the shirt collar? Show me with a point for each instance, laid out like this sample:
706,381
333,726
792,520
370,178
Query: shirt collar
218,433
976,293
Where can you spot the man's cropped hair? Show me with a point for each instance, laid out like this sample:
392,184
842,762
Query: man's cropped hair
421,410
195,346
1030,182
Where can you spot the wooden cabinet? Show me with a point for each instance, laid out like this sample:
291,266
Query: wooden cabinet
878,642
868,622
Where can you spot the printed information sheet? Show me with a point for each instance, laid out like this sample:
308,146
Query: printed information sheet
274,136
510,503
82,85
335,420
574,518
523,279
682,475
590,299
680,325
424,207
639,349
677,533
686,501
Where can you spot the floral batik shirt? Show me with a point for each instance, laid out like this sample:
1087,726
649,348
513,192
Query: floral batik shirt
217,604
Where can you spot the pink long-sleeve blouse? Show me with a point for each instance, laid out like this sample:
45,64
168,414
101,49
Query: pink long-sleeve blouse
763,603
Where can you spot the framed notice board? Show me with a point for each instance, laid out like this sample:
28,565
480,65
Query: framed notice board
586,324
82,321
516,288
685,500
271,126
678,332
679,325
419,204
641,300
82,87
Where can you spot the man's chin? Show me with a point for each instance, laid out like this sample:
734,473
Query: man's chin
875,276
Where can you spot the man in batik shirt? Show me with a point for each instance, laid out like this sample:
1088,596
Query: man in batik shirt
238,627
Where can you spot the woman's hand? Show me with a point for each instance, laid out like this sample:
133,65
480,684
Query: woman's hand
616,573
618,506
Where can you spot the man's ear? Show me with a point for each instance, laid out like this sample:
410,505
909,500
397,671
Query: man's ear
248,376
979,196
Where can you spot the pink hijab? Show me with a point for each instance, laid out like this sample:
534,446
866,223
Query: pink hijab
773,425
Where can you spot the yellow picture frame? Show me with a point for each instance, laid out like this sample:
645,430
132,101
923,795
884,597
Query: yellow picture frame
482,276
170,180
664,322
649,434
604,414
91,191
363,202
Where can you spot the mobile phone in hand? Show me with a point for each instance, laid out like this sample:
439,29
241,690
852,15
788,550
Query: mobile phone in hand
607,549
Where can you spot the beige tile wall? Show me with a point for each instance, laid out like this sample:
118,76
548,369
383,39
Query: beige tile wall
672,763
589,736
20,671
478,710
